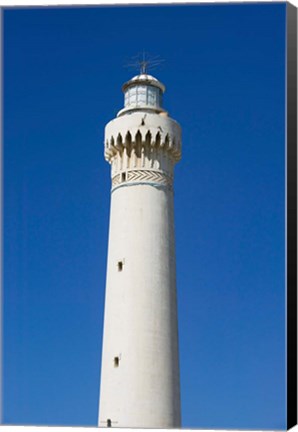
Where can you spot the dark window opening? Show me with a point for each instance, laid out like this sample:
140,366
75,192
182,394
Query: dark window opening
109,423
116,361
120,265
123,176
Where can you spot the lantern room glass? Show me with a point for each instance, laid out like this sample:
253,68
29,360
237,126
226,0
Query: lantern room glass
142,95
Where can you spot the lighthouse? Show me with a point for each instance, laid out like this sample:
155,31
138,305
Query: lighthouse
140,360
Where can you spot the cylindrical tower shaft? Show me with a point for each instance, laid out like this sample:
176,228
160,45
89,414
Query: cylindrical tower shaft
140,361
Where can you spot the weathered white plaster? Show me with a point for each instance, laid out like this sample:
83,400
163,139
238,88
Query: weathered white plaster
150,129
140,323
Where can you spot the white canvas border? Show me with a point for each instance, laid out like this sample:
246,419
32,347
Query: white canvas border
52,3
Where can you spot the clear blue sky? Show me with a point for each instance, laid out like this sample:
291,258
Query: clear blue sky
224,71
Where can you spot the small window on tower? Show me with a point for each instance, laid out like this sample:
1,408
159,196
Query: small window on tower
109,423
116,361
120,266
123,176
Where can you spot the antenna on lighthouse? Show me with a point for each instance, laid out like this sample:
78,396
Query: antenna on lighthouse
144,62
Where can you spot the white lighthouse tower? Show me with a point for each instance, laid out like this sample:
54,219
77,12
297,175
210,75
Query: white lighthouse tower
140,365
